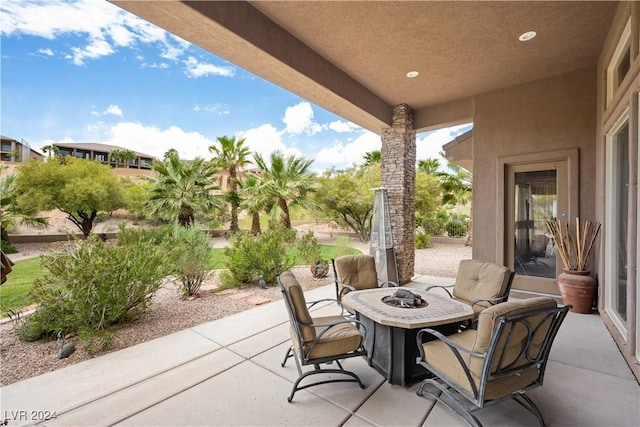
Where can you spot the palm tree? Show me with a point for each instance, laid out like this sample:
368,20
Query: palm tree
181,189
288,183
231,155
429,166
13,214
169,152
121,156
51,150
457,188
372,157
253,201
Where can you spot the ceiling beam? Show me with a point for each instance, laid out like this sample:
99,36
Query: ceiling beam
241,34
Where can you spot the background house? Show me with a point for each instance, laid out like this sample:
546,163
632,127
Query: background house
140,165
14,152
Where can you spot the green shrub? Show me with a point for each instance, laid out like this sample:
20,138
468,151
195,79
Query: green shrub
155,235
423,241
309,249
190,254
251,256
7,247
93,287
434,223
456,228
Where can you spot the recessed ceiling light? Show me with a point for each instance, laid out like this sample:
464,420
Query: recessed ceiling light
527,36
412,74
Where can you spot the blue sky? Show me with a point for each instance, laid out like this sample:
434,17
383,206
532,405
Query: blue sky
87,71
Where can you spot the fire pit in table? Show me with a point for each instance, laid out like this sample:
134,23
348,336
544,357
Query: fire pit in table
403,298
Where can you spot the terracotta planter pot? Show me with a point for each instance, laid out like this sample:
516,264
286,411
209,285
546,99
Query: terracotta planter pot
577,288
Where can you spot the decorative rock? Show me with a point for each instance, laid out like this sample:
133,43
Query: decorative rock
257,300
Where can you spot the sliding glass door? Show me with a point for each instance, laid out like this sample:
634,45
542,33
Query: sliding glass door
616,240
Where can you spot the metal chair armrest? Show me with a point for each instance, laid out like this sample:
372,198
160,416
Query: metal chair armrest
492,301
441,287
312,303
455,349
345,289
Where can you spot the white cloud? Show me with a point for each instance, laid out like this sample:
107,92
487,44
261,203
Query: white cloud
263,140
95,127
299,119
121,35
156,142
348,153
431,145
342,126
214,108
161,65
172,53
102,25
47,52
95,49
113,109
195,69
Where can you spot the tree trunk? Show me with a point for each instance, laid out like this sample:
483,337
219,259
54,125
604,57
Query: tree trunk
234,204
84,221
255,223
286,218
185,218
470,231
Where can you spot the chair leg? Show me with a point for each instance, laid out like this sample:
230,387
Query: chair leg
526,402
468,417
287,356
296,387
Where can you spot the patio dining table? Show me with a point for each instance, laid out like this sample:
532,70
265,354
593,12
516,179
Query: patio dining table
391,331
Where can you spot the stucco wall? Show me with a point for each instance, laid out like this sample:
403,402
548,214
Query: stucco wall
545,115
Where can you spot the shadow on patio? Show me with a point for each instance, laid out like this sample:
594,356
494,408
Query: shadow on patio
227,372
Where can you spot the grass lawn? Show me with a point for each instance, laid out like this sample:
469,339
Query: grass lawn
14,292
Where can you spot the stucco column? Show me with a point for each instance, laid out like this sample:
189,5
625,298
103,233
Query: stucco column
398,176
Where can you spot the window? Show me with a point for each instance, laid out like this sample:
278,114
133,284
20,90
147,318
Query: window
536,202
616,226
620,63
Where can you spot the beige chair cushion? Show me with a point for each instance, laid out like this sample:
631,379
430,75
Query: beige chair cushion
358,271
480,280
438,354
296,295
340,339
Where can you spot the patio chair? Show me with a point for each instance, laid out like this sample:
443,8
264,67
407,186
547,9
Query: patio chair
356,273
502,359
320,340
480,284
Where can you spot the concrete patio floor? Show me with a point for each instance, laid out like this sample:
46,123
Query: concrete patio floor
227,372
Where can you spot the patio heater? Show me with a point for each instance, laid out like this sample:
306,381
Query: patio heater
381,239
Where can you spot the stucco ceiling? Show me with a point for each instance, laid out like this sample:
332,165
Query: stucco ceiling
352,57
